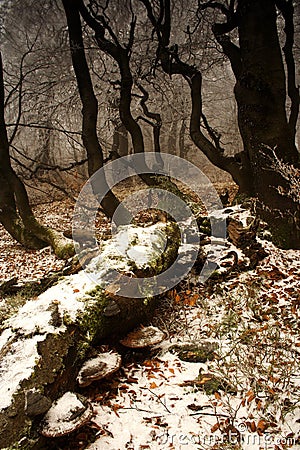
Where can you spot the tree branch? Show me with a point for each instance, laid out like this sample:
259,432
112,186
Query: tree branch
131,35
151,115
215,5
89,102
215,136
231,50
172,64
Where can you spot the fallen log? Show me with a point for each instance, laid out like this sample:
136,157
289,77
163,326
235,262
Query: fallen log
42,347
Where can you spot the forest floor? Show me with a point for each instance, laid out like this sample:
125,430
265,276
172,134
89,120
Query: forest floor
227,375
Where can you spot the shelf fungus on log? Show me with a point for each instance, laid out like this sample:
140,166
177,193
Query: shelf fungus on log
143,337
69,413
98,368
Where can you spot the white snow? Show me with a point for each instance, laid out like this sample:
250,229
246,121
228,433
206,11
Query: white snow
63,408
16,366
138,245
157,406
99,367
5,336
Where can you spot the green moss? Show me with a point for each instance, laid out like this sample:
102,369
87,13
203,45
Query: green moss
96,292
196,353
26,443
211,384
82,348
204,225
240,198
89,321
65,251
10,304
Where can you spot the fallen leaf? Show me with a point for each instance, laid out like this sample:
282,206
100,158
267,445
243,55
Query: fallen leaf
115,408
217,396
261,426
215,427
177,298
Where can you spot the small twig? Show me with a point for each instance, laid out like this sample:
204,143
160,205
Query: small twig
157,396
209,414
143,410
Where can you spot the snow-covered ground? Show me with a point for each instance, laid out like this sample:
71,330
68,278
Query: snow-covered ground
160,401
253,318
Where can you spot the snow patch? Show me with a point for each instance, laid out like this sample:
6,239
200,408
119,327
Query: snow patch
16,366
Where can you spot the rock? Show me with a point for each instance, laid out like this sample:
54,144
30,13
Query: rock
199,353
211,384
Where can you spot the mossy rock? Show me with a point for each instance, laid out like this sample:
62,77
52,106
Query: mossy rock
198,353
210,384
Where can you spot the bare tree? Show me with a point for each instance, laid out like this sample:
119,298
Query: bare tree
260,93
89,107
16,214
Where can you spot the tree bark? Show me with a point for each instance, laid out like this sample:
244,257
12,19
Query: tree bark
120,140
260,93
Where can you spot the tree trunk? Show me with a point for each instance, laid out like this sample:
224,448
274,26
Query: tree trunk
182,151
120,140
16,214
260,93
89,109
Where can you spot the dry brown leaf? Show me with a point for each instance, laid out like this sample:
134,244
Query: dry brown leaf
147,363
261,426
259,404
251,397
215,427
217,396
151,375
115,409
177,298
132,380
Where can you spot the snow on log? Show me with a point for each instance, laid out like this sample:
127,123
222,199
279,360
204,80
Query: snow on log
43,346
